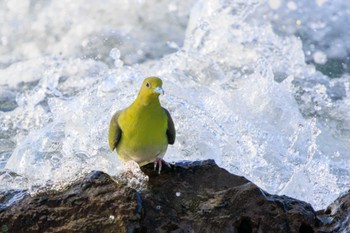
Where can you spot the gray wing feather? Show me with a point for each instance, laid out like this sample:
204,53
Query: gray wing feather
171,133
114,132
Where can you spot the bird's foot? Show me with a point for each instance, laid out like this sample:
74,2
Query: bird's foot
159,162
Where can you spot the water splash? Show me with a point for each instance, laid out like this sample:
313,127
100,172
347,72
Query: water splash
239,93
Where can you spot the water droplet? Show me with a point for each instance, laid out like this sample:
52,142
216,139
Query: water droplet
320,57
292,6
114,54
274,4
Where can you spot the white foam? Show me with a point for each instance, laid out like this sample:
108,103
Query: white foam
238,92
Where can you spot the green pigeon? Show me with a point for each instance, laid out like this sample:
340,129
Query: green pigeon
142,131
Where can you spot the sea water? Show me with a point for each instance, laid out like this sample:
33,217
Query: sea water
260,86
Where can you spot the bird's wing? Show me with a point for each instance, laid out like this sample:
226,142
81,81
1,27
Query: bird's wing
114,132
171,134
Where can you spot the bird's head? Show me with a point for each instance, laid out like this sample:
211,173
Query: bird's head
150,90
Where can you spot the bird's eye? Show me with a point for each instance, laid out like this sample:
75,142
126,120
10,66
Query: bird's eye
147,85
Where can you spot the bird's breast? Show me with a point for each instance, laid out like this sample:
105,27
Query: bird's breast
143,127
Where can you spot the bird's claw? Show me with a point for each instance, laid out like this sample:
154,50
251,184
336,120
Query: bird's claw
159,162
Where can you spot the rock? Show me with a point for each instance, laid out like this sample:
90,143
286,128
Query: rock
201,197
94,204
336,217
189,197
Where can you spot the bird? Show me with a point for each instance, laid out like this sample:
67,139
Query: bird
143,131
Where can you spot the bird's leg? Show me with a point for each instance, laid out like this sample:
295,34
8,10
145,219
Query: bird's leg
159,162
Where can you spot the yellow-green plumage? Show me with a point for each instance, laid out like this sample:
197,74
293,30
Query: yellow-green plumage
142,131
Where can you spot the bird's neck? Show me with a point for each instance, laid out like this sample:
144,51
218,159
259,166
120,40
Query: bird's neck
147,101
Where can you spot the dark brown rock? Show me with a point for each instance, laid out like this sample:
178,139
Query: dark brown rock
189,197
205,198
336,218
94,204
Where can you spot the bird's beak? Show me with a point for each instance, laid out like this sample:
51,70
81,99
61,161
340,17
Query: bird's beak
159,90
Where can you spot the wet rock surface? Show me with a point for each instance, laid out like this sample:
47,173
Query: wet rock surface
206,198
95,204
336,217
189,197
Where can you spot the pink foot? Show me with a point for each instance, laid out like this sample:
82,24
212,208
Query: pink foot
159,162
